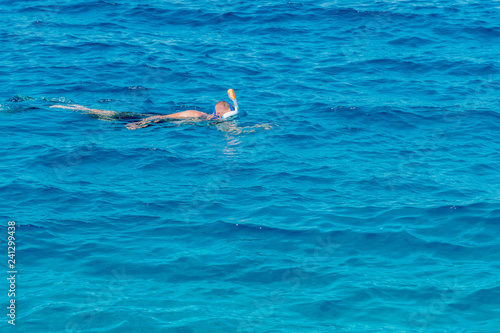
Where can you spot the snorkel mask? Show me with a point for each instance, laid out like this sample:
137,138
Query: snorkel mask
234,110
232,96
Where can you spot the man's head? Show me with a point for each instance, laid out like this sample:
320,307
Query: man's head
221,108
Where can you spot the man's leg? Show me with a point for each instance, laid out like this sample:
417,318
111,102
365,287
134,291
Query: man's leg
85,109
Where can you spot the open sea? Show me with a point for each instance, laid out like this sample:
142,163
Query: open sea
358,189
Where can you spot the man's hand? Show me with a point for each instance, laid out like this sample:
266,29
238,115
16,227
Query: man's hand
137,124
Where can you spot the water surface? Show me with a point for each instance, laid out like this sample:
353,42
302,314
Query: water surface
367,201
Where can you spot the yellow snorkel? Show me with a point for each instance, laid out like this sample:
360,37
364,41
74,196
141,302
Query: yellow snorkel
232,96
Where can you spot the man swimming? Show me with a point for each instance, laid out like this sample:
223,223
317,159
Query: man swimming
221,110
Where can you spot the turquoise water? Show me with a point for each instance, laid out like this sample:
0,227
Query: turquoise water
357,190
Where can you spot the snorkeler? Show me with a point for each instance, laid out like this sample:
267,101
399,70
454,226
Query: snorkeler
222,110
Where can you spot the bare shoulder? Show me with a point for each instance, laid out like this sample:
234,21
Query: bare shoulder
186,114
194,114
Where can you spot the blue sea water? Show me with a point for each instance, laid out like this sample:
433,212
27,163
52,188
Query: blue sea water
357,191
